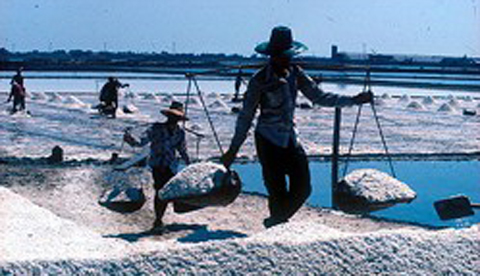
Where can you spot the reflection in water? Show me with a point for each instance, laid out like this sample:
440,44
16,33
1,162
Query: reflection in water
431,180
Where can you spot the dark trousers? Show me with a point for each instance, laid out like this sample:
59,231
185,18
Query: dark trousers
161,175
18,101
278,163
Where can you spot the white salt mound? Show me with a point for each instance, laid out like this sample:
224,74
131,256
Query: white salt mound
55,98
379,102
130,95
39,96
405,98
193,101
453,102
428,100
218,105
445,108
130,108
415,105
214,95
74,101
377,187
194,180
150,96
386,96
134,177
30,232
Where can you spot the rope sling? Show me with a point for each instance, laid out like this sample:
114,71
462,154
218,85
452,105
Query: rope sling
192,79
368,88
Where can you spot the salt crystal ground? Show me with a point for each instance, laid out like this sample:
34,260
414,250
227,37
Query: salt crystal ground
52,224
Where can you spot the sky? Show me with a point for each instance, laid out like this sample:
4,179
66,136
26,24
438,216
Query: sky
425,27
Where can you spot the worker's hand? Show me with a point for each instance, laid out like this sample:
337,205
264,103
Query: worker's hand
127,137
364,97
228,158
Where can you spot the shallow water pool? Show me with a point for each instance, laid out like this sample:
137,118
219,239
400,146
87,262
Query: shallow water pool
431,180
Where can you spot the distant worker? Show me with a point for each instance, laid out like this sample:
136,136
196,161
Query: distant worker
165,139
17,92
238,84
109,97
273,90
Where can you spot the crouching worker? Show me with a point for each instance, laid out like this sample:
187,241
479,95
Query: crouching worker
165,139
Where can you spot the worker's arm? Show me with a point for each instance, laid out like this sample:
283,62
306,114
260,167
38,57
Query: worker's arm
132,141
311,90
244,121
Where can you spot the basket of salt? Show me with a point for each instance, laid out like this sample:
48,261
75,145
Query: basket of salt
367,190
203,184
124,197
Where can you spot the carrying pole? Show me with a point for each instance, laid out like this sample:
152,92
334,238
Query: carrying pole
335,155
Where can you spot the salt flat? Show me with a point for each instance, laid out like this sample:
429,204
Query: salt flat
52,224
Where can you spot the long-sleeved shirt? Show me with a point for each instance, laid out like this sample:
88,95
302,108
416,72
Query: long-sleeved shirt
276,98
163,143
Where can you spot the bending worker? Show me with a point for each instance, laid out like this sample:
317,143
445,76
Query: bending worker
109,96
273,89
164,138
17,92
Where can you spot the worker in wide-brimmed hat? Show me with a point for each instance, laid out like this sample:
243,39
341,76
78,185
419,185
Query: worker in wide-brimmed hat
165,140
274,89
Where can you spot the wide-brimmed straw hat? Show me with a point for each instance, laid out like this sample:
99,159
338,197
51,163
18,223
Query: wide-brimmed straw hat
175,109
281,43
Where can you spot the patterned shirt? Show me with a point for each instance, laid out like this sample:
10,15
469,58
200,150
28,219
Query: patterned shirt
276,98
163,143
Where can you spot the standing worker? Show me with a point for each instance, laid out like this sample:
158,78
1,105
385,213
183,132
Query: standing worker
274,89
17,91
164,139
238,84
109,97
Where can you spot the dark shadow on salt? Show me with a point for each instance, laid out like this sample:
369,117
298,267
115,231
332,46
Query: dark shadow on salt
167,232
203,235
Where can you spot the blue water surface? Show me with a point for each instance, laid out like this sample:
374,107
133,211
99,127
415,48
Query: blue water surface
431,180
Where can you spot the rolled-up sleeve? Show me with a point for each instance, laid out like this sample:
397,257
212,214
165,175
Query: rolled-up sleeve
311,90
246,115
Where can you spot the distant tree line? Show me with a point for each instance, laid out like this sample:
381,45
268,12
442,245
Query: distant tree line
79,60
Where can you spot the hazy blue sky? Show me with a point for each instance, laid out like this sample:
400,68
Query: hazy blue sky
448,27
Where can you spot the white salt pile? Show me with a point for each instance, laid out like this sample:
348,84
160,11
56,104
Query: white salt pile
133,178
150,96
38,96
196,179
130,95
379,102
168,99
30,232
415,106
386,96
74,102
428,100
219,106
214,95
130,108
193,102
377,187
453,102
445,107
405,98
55,98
